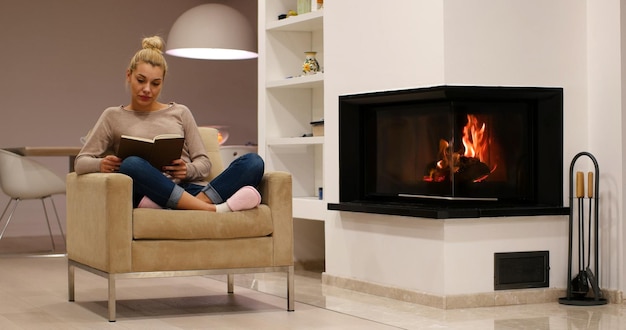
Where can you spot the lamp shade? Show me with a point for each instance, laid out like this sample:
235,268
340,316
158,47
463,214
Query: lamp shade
212,31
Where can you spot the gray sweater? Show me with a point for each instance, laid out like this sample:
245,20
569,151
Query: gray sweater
104,137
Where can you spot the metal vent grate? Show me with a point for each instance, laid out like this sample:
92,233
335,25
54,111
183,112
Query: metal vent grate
521,270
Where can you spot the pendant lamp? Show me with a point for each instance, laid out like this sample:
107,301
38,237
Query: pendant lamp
212,31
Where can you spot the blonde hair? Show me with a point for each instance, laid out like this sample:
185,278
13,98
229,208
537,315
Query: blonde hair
151,52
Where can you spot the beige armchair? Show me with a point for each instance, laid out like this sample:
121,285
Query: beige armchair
107,237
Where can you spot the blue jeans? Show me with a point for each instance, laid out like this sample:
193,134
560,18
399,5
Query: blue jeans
246,170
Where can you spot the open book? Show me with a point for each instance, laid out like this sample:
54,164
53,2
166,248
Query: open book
160,151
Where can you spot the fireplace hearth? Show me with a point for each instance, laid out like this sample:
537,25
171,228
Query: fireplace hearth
452,152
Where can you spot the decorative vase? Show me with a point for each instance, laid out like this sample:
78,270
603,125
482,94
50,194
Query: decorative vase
303,6
310,65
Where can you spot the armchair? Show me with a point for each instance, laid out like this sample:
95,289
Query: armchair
107,237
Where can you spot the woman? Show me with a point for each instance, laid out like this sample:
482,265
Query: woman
179,185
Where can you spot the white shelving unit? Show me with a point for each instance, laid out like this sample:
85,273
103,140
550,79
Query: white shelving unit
290,101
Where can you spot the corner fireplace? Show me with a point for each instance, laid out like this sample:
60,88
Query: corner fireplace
452,152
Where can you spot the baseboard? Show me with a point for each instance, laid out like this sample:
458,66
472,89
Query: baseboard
486,299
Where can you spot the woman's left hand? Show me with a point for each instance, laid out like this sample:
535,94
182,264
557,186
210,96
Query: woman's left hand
178,169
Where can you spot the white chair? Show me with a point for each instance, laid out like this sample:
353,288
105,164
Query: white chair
22,178
230,153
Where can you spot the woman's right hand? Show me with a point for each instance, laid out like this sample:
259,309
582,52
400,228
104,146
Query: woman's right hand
110,164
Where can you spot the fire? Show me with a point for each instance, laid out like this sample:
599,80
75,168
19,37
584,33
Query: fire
469,163
473,138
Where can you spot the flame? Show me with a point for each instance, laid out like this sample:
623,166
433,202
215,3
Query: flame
446,158
475,146
474,139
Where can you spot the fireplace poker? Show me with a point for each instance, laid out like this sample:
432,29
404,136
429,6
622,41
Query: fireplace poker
580,285
590,196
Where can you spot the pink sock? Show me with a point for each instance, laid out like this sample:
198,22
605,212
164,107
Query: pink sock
147,203
245,198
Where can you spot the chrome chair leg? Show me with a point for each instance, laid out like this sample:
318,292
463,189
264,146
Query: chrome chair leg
17,201
112,298
45,211
5,210
230,286
291,295
71,269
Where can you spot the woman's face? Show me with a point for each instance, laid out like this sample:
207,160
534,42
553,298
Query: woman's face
145,86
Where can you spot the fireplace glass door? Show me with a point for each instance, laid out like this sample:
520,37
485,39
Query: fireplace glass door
461,150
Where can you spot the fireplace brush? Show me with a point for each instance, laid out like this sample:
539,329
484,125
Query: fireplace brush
578,286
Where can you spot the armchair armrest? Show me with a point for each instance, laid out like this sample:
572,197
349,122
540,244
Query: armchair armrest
99,220
275,189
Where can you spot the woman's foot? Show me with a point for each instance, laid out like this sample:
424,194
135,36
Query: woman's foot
147,203
244,199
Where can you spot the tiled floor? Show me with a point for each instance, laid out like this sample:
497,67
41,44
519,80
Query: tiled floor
33,295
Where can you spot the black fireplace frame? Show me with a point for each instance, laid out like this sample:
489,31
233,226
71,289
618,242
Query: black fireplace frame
546,141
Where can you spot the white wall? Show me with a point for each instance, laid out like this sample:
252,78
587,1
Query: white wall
522,43
64,61
606,128
470,245
483,42
385,47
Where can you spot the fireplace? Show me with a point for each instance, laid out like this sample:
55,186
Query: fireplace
452,152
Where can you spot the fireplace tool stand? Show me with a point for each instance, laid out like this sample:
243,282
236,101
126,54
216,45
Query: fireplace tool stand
578,286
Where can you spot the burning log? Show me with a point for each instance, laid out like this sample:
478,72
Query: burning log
463,166
467,169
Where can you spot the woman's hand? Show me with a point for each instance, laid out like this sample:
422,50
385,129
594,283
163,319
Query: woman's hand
178,169
110,164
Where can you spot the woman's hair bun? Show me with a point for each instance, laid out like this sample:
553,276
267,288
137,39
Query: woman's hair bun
151,52
154,42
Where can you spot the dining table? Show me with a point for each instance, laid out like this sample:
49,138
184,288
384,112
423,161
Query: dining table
53,151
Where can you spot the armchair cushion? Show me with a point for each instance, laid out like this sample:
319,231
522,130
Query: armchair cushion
176,224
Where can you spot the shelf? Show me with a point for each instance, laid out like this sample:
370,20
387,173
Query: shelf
295,141
309,208
289,101
306,22
311,81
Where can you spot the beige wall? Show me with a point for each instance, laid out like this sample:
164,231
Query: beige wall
64,61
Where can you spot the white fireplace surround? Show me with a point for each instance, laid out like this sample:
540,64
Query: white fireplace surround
574,44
